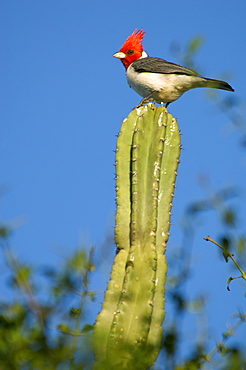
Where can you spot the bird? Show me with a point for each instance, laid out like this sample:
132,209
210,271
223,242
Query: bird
156,79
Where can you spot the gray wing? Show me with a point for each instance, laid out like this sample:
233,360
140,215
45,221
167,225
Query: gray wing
158,65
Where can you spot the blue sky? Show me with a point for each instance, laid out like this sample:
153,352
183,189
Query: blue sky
62,100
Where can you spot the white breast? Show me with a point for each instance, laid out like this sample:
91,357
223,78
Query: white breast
168,87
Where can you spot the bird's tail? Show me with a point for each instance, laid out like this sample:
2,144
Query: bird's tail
215,84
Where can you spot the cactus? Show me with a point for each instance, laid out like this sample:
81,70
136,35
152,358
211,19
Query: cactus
128,332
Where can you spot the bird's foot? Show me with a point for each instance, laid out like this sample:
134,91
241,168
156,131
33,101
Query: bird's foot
147,99
142,102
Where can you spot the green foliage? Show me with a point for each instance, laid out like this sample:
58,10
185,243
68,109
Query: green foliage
28,337
232,249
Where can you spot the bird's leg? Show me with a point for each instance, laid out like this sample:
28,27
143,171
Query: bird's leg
146,100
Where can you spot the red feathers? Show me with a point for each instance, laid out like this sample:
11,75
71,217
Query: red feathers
132,48
133,42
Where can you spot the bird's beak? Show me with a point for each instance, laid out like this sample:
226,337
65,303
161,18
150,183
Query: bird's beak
119,55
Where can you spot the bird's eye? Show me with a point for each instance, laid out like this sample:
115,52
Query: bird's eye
130,52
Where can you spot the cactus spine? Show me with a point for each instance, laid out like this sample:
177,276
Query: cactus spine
127,333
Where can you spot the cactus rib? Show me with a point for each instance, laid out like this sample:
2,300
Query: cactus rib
127,334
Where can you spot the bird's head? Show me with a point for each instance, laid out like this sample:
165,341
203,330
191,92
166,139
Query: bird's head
132,49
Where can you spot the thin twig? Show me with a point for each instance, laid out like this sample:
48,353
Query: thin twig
231,256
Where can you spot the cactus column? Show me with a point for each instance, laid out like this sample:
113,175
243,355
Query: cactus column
128,332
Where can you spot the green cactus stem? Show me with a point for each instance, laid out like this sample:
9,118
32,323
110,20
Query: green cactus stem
128,332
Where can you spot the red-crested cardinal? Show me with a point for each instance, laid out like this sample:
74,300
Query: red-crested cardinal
156,79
